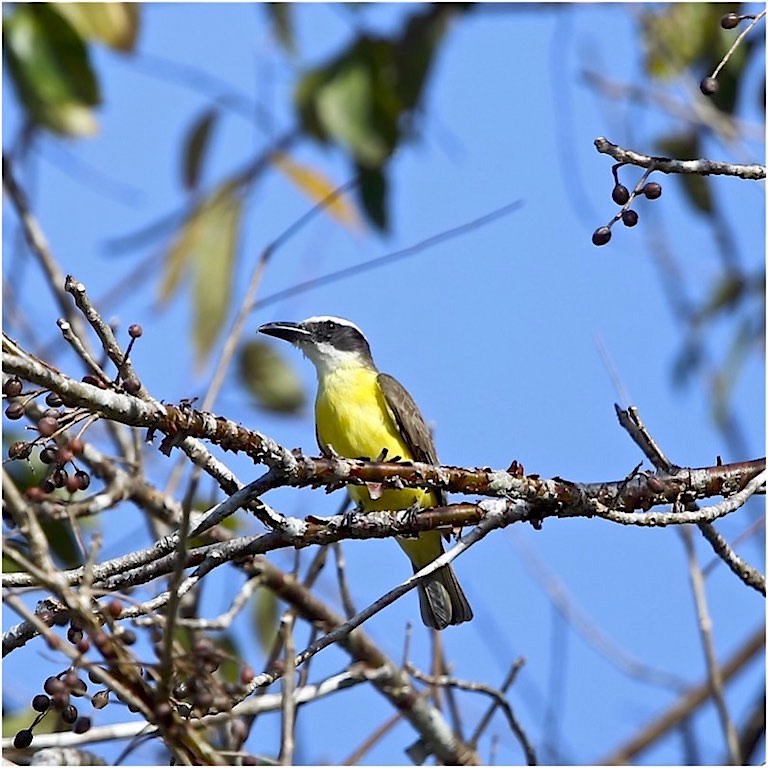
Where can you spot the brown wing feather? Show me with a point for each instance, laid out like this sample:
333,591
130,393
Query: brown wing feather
412,426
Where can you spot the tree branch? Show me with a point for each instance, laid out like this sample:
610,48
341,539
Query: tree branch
701,167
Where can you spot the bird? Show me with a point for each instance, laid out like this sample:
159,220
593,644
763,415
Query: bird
363,413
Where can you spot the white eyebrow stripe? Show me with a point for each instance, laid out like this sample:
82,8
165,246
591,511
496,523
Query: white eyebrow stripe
332,319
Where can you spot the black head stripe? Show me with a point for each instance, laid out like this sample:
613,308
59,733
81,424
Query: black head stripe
342,336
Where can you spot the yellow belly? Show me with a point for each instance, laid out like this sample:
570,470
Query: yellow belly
353,418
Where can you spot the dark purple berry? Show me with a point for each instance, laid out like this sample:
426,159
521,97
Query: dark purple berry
620,194
47,486
53,685
15,411
49,454
83,479
69,713
601,235
94,381
40,702
629,218
709,86
76,445
47,425
135,330
730,21
74,634
132,385
53,399
82,724
13,387
59,477
22,739
652,190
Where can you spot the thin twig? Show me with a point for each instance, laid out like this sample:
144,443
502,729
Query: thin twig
686,705
288,718
749,575
346,597
737,42
389,258
498,697
705,630
485,720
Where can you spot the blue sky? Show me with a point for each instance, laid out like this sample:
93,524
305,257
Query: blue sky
497,334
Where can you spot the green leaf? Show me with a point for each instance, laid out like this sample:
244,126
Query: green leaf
50,69
207,247
219,231
679,36
373,196
62,543
114,24
270,378
726,295
195,147
280,17
265,617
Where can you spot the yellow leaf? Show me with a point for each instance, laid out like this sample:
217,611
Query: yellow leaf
317,187
114,24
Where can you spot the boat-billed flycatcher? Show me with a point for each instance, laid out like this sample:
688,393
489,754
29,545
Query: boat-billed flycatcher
360,412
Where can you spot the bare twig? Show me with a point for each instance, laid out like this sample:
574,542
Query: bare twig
705,630
737,42
685,705
346,597
499,700
288,719
631,421
749,575
613,652
485,720
389,258
701,167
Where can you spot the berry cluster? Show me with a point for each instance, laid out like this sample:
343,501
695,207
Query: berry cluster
57,452
623,197
709,85
61,689
198,689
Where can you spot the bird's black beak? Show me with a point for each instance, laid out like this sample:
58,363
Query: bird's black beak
293,333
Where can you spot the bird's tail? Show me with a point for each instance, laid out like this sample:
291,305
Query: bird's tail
442,600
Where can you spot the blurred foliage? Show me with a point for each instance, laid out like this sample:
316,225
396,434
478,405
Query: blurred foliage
364,99
265,618
206,245
51,71
195,147
270,378
46,54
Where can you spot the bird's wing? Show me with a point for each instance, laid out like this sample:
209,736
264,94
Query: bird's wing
411,423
